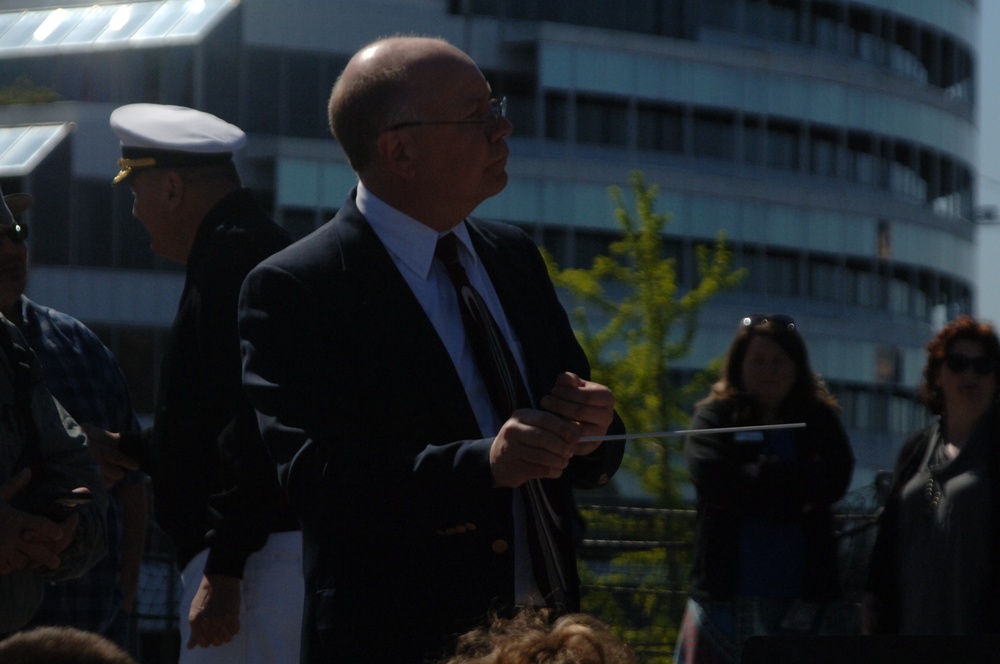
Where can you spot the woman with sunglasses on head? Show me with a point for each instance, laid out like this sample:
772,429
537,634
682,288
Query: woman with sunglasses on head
935,565
765,559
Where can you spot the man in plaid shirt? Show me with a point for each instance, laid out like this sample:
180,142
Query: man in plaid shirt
85,378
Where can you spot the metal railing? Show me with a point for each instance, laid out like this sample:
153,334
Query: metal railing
635,563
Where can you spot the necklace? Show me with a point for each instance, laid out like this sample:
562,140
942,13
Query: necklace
933,494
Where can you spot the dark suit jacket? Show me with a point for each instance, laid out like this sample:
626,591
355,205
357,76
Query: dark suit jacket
406,541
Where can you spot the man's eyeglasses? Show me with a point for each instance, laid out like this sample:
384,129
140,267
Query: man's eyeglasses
753,320
15,232
981,365
490,122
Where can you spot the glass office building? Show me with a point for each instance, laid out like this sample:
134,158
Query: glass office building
832,140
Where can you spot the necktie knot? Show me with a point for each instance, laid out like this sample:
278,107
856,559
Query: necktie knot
447,251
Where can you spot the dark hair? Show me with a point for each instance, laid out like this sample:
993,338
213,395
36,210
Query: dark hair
808,387
963,327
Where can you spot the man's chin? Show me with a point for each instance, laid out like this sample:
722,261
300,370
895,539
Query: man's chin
497,183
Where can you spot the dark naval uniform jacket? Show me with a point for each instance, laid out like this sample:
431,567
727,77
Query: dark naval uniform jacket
214,483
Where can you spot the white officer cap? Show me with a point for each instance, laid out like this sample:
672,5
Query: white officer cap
171,136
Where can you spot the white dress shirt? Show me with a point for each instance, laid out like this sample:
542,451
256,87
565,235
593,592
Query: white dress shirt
411,245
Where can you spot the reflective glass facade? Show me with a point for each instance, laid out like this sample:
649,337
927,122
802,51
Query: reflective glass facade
37,32
831,140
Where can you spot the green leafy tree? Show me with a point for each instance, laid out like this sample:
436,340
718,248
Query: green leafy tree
634,320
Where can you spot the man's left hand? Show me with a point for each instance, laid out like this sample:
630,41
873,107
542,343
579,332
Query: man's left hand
585,402
215,611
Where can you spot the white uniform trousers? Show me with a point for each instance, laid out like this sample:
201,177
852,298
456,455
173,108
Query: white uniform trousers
270,612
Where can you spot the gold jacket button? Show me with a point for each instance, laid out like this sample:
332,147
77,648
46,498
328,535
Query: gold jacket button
499,546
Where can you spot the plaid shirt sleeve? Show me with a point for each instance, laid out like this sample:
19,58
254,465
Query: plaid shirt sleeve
85,377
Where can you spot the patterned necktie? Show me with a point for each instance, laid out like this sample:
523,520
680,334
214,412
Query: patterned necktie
507,392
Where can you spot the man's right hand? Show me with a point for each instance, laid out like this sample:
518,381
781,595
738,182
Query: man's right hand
532,444
103,446
27,540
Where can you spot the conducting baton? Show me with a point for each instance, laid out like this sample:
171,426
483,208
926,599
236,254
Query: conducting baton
684,432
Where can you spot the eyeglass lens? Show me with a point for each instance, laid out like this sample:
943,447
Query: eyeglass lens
958,363
489,122
498,109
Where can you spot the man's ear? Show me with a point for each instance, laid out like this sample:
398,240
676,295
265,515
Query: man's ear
173,188
396,150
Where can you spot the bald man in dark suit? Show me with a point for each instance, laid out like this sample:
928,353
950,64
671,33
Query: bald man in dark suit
420,498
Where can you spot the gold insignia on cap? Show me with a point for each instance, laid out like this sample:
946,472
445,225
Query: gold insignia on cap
127,165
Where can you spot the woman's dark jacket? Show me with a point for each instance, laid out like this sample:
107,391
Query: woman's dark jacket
883,581
734,480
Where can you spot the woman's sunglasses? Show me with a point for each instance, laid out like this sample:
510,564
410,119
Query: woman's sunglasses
753,320
958,363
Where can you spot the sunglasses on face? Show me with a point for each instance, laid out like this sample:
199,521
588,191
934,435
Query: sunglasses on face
958,363
753,320
15,233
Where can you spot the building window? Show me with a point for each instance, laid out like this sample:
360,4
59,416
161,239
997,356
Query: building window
714,135
556,121
884,248
304,100
602,121
720,14
888,364
753,141
93,234
827,30
782,275
774,19
862,160
903,59
866,287
904,179
823,281
660,128
752,259
588,245
782,146
261,113
865,34
899,295
823,146
555,240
